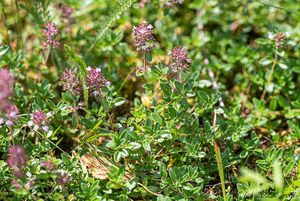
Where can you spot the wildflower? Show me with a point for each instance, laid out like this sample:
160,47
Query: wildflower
66,11
16,184
278,38
11,112
71,82
143,2
95,80
179,60
17,160
76,107
50,31
63,179
48,165
39,120
143,37
6,88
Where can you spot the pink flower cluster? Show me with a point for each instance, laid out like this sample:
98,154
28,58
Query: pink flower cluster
179,60
96,81
63,179
143,37
17,160
50,31
39,119
11,112
48,165
6,91
70,82
6,88
66,11
143,3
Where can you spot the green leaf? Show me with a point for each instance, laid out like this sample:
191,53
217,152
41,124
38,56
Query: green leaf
220,168
283,66
289,167
296,69
3,50
119,101
277,174
134,145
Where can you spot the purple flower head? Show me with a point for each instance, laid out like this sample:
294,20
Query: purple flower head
6,88
17,160
143,3
70,82
39,120
63,179
50,31
179,60
38,117
279,38
15,183
66,11
143,37
95,81
48,165
11,112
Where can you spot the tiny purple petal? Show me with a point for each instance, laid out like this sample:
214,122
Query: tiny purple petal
36,127
9,123
45,128
107,83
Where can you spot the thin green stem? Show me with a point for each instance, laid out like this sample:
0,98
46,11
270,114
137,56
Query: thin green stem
270,77
126,79
219,158
43,137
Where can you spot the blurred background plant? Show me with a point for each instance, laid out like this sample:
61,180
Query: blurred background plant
149,100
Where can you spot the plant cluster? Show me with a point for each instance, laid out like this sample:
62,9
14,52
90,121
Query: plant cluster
149,100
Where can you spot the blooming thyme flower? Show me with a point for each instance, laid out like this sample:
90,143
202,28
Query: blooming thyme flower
143,37
66,11
48,165
11,112
278,38
17,160
179,60
63,179
96,81
39,119
50,31
70,82
6,88
143,2
15,183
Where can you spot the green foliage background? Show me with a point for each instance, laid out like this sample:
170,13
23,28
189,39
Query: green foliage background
159,129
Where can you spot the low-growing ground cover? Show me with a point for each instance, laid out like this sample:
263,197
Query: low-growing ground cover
149,100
